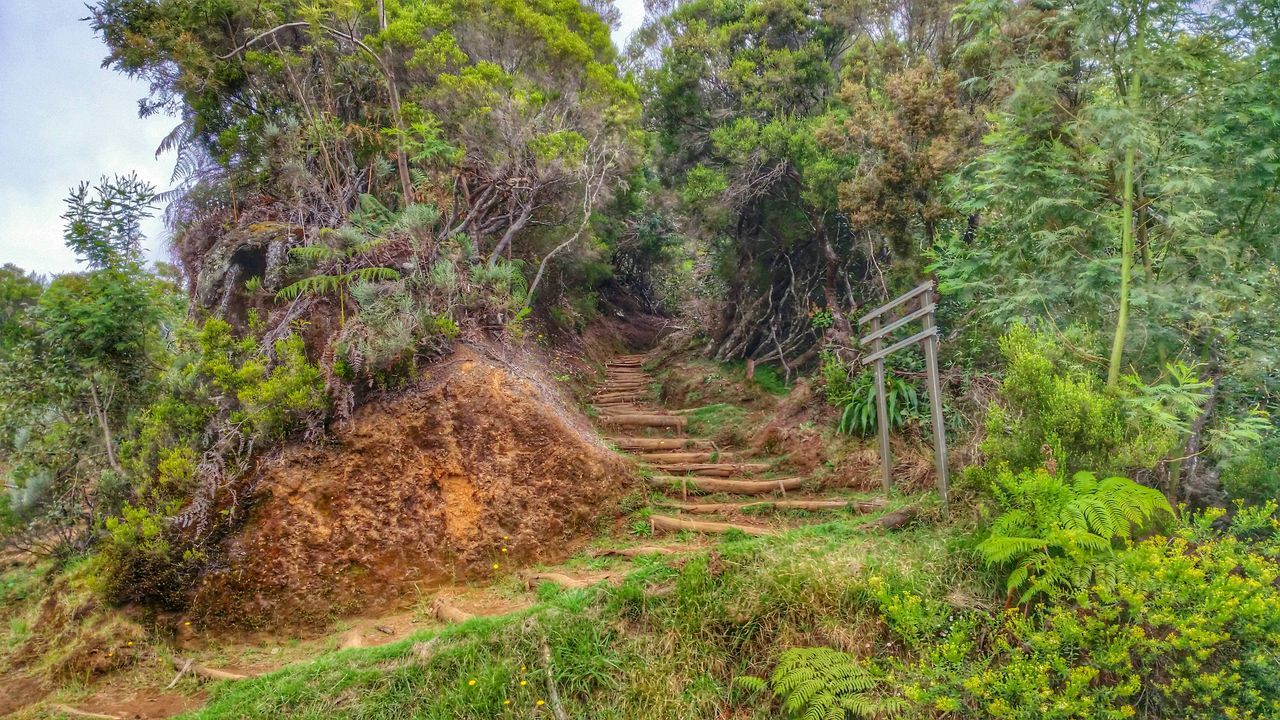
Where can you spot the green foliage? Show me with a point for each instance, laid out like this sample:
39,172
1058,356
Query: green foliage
106,230
767,377
281,397
140,559
855,397
1050,407
1254,477
824,684
1060,536
1183,636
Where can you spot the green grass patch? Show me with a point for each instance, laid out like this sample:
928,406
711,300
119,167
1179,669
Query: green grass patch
722,422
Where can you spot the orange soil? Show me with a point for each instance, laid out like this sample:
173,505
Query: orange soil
423,488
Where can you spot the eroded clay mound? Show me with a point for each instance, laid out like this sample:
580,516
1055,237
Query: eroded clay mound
426,487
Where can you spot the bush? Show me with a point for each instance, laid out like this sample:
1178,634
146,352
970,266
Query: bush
1255,478
1052,409
855,396
280,398
1189,634
140,561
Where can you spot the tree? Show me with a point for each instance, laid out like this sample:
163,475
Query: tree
780,129
105,229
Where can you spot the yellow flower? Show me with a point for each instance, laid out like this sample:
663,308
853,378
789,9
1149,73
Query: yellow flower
495,566
523,683
540,703
506,702
504,549
521,668
472,681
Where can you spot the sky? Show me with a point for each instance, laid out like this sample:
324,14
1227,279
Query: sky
65,119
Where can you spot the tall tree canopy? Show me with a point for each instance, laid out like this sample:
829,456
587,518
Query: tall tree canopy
501,114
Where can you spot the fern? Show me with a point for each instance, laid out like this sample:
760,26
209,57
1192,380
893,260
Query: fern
823,684
340,265
1060,536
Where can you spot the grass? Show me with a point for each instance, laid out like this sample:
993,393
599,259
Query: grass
722,422
665,643
769,380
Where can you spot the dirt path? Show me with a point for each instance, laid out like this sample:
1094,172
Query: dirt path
694,486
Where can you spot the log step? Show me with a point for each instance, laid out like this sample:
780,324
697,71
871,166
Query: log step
858,506
654,421
643,443
634,552
711,469
664,522
684,457
734,487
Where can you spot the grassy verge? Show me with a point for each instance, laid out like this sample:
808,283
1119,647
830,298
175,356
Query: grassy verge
666,643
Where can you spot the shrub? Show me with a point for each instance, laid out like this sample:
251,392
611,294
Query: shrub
1190,633
1254,478
1050,405
276,399
855,396
140,561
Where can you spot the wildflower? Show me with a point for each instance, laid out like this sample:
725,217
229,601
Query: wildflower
523,683
504,549
472,681
506,702
541,703
495,566
521,668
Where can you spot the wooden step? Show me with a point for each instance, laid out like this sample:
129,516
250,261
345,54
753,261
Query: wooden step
684,457
646,420
711,469
635,552
605,392
734,487
664,522
858,506
644,443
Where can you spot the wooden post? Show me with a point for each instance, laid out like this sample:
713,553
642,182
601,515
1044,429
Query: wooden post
882,415
935,401
923,295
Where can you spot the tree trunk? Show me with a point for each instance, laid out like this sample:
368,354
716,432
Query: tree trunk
1126,215
402,163
104,423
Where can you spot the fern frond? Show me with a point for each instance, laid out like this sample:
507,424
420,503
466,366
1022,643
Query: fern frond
371,275
999,549
314,285
315,254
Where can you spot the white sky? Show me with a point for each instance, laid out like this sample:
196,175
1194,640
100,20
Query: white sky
64,119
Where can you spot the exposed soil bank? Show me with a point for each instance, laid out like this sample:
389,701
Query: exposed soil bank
425,486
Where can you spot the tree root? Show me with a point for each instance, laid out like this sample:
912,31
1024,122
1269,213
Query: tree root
206,672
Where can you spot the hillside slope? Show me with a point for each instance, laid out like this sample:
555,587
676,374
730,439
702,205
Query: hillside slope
424,486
